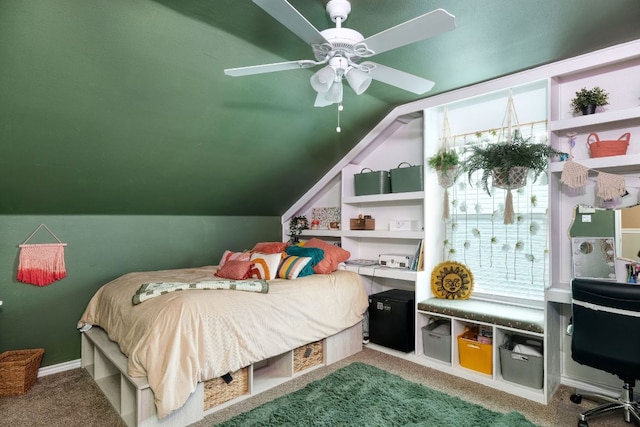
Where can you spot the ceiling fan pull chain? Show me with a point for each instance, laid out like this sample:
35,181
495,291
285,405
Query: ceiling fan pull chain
340,108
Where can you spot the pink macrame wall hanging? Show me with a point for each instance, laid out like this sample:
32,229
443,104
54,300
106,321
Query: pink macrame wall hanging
43,263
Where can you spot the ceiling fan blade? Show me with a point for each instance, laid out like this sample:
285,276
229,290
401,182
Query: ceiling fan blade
288,16
420,28
269,68
399,79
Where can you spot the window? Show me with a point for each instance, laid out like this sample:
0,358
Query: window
507,261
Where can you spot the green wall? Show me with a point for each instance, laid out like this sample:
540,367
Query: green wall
101,248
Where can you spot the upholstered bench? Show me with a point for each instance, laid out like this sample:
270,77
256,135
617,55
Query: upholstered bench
517,317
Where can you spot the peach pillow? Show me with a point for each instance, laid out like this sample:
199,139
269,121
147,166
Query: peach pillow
237,270
333,255
270,247
234,256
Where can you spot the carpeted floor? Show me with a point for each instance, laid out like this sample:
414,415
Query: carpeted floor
71,398
363,395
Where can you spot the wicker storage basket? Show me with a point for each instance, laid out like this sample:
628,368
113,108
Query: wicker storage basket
218,391
599,148
19,371
307,356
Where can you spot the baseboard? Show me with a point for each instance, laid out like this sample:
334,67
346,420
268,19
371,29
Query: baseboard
60,367
592,388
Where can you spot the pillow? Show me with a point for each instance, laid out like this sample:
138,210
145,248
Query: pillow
292,267
316,255
236,256
265,266
333,255
232,269
451,280
270,247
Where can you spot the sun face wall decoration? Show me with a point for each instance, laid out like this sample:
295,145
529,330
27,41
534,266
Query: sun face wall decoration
451,280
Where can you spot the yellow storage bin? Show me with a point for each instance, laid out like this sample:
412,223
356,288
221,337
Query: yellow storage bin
473,354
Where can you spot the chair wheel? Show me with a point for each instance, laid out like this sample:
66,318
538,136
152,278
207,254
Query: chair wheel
576,398
583,424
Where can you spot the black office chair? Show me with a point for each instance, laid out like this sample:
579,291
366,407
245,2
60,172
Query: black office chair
606,336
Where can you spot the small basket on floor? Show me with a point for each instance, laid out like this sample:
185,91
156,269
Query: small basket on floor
19,371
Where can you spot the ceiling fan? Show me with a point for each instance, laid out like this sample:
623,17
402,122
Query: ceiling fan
341,49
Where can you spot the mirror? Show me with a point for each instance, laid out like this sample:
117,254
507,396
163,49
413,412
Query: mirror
594,257
605,243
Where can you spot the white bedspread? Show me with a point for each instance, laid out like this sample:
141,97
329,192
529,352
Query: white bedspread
181,338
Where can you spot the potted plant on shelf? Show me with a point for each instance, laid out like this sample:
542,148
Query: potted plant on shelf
586,100
508,163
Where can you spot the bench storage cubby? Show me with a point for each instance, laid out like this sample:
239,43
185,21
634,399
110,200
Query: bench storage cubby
478,330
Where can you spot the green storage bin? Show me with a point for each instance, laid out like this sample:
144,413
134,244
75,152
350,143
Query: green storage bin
409,178
372,182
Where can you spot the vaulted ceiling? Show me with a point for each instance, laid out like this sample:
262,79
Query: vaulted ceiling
122,106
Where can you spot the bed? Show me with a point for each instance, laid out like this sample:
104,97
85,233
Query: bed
176,341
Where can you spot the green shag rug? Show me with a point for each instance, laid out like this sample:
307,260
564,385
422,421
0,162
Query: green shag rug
363,395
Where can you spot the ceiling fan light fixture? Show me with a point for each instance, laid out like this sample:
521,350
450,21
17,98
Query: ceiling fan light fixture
358,80
322,80
321,100
335,93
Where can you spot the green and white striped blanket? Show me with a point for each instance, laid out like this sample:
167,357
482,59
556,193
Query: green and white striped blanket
150,290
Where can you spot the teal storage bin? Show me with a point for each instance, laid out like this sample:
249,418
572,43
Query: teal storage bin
407,178
372,182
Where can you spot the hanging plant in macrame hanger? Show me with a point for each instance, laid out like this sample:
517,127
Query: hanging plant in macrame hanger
514,177
446,163
509,161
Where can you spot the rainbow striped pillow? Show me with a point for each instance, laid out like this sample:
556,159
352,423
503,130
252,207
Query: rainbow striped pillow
265,266
291,266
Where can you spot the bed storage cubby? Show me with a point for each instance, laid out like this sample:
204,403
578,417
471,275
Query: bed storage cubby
218,391
308,356
271,372
133,398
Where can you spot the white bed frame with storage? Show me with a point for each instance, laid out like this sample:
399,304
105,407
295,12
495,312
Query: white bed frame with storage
133,399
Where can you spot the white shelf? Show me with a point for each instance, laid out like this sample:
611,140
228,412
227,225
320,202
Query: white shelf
384,234
385,272
595,119
365,234
620,164
560,293
384,198
322,233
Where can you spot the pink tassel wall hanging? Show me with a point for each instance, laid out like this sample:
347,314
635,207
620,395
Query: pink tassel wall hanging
43,263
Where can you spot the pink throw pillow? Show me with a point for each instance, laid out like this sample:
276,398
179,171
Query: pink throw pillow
234,256
237,270
333,255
